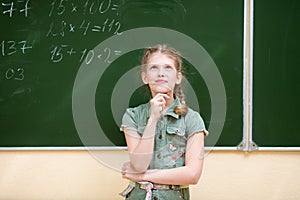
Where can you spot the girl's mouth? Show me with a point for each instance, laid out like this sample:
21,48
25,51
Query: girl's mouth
160,81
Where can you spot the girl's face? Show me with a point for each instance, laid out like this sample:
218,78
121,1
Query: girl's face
161,74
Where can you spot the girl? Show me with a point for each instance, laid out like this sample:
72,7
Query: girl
165,138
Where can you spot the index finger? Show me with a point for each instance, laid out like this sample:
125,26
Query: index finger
162,94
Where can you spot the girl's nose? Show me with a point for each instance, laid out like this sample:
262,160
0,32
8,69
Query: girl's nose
161,71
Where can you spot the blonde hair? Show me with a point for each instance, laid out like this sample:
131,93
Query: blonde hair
176,56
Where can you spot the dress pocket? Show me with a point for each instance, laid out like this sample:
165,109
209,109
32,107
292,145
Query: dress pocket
176,136
175,130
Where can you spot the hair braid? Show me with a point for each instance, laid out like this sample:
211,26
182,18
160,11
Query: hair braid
181,109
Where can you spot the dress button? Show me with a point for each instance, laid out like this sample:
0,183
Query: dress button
158,156
160,136
155,198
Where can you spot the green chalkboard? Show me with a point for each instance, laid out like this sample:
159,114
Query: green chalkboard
276,70
45,44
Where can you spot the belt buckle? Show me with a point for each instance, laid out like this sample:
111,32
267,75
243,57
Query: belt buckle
175,187
165,187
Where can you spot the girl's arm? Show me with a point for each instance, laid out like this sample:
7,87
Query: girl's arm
185,175
140,148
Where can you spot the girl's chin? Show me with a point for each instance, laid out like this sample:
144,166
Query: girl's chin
161,89
161,92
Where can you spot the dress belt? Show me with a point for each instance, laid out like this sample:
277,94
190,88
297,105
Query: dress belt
143,185
148,186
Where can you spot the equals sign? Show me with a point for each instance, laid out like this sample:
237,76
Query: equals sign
117,53
96,28
115,7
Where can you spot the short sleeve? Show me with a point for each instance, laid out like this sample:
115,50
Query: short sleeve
194,124
129,120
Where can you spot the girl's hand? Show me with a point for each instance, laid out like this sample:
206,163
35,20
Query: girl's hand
129,173
157,105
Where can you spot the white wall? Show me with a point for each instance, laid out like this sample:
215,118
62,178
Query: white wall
78,175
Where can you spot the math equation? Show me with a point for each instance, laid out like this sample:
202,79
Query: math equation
56,21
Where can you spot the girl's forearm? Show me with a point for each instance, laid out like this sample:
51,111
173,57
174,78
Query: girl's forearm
184,175
141,155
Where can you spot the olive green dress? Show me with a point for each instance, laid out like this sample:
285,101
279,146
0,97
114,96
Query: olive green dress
172,133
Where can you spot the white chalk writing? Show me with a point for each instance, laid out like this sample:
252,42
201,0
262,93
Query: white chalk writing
11,47
15,74
59,52
11,8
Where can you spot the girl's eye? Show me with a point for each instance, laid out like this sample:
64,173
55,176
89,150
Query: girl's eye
168,67
153,67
